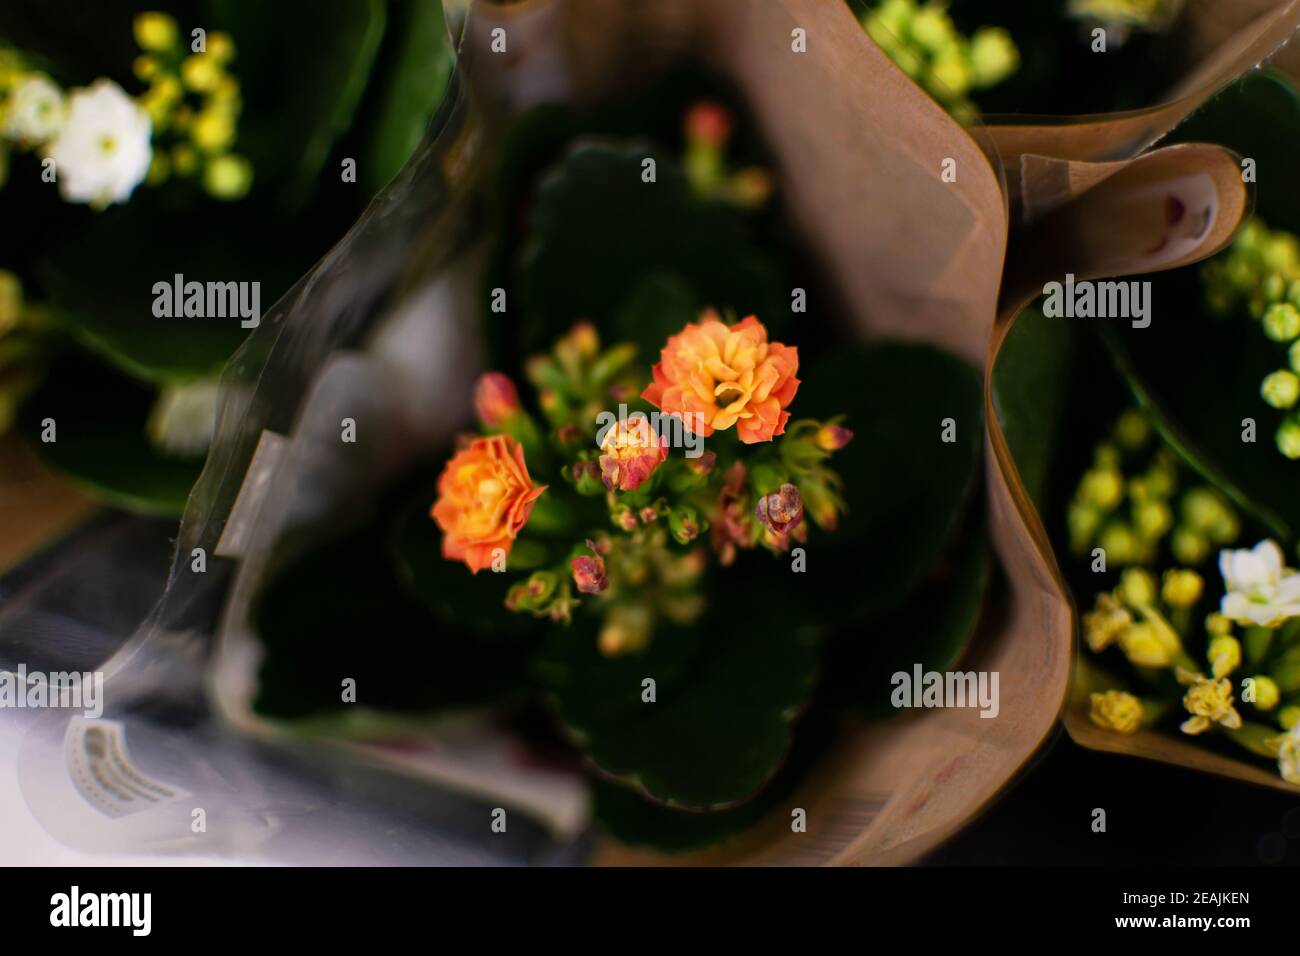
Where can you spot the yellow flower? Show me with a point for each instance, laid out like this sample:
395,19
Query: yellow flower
1116,710
1151,642
1105,622
1209,702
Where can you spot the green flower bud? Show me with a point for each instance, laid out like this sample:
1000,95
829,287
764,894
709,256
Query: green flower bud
1120,543
1288,438
1281,388
1293,356
1151,519
1273,287
684,524
1288,717
1083,521
1188,546
1132,429
1281,322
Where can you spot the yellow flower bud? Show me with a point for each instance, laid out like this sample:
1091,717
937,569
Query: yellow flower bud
1267,693
213,130
155,31
1137,588
144,67
1182,588
1151,519
185,160
220,46
950,77
1217,625
1142,645
1288,717
1102,488
1188,546
1115,710
1120,543
228,177
200,73
993,56
1224,655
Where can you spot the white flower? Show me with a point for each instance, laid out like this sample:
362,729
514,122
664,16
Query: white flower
103,152
184,417
1288,754
35,111
1260,590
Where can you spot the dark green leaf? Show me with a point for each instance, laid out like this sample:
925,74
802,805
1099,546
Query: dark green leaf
905,487
101,440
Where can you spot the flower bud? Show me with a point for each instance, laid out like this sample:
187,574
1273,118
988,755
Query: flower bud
534,594
589,574
1267,693
1288,717
1224,655
684,524
630,452
993,56
708,124
649,514
496,400
1281,388
781,511
623,517
1102,488
1141,644
586,478
1132,430
1217,625
1182,588
1151,519
1137,588
1120,543
155,31
833,437
1281,322
1188,546
1288,438
627,628
701,466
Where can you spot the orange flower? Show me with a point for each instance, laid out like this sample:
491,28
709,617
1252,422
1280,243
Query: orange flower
484,498
726,376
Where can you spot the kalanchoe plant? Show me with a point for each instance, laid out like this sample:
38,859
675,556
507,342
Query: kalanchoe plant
637,491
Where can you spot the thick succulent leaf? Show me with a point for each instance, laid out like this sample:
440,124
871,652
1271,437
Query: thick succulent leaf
644,228
728,691
100,438
906,488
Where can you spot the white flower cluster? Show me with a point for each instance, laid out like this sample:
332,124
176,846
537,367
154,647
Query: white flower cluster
97,137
